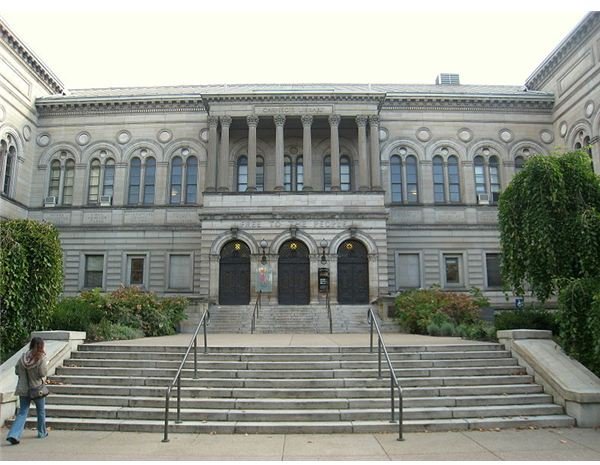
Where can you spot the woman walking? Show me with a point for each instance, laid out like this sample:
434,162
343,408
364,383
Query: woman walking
31,369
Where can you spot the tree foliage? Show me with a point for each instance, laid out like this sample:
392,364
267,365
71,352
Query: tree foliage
549,218
31,279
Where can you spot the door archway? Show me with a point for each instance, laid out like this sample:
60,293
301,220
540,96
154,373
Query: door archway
353,273
293,273
234,274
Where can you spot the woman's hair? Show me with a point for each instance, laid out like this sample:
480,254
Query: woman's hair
36,346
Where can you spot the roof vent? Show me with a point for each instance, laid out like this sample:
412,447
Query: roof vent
447,79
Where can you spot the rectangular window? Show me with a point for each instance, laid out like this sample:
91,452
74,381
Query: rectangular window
492,269
94,271
452,270
408,271
136,270
180,272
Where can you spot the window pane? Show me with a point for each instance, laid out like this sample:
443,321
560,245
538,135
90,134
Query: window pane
396,178
94,187
109,177
411,180
453,179
136,271
260,174
492,266
494,173
191,177
408,274
69,182
287,174
327,173
480,187
10,160
176,179
94,266
439,195
135,171
345,178
242,174
149,175
54,187
299,173
452,265
180,276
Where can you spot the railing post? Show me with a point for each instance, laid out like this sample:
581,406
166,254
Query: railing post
379,355
166,433
392,395
206,317
400,417
178,400
370,316
196,357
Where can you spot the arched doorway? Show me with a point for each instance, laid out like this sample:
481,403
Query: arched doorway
234,274
353,273
293,281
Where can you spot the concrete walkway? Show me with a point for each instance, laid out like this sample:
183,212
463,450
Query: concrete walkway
537,444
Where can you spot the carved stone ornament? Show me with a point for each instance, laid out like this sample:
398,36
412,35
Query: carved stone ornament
361,121
307,120
213,121
164,135
226,120
505,135
43,140
546,136
563,129
465,134
374,120
423,134
123,137
83,138
279,120
252,120
334,120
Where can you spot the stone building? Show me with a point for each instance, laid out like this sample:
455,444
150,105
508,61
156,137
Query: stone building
216,191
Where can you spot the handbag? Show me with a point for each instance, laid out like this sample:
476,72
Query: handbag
36,392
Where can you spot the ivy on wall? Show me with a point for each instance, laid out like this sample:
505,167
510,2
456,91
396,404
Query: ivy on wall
31,279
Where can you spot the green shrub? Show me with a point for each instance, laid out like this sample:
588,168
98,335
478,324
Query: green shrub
75,314
107,331
579,321
528,318
478,331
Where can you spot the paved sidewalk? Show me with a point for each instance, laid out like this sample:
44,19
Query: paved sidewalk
536,444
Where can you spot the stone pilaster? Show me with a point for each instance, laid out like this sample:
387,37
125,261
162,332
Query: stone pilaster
252,121
363,164
211,162
307,151
375,155
279,144
334,122
224,154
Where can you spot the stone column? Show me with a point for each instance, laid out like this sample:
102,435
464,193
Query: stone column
224,154
307,151
279,144
252,121
211,162
375,155
334,122
363,166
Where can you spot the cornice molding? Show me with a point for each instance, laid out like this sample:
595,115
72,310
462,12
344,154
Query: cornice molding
304,97
563,51
34,63
538,104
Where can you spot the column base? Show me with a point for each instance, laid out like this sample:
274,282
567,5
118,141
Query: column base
223,189
251,189
278,188
307,188
335,189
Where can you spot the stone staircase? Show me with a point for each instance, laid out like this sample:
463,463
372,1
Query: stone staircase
297,390
285,319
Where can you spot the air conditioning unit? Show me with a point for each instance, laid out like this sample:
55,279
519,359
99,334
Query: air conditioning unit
50,201
105,200
483,199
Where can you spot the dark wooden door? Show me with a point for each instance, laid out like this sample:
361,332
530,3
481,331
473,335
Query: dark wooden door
353,273
293,280
234,274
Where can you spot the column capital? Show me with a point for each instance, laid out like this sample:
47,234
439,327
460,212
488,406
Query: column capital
252,120
279,120
213,121
374,120
226,120
361,121
307,120
334,120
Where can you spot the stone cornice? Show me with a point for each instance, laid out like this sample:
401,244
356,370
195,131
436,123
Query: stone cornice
470,103
563,51
30,59
300,97
65,106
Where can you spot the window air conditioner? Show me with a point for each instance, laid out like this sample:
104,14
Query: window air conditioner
105,200
483,199
50,201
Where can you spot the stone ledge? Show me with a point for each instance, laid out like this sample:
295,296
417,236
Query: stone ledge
572,385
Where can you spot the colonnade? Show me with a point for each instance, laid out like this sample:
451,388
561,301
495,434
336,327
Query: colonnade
217,178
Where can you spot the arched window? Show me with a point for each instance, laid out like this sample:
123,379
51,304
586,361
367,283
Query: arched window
54,186
487,177
412,186
396,178
8,165
299,173
494,175
480,182
453,179
108,183
176,180
94,183
287,173
68,183
519,162
327,173
135,176
149,180
345,174
439,186
191,180
242,174
260,174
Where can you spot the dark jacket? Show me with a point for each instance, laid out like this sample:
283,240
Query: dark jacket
30,372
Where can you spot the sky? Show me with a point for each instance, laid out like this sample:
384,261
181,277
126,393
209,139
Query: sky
126,43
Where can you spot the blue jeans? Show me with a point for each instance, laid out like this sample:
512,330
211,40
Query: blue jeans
19,424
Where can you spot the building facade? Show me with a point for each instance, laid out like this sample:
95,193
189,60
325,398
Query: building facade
217,192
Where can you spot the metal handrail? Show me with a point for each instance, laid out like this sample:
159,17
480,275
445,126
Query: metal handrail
177,379
393,379
328,305
255,312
